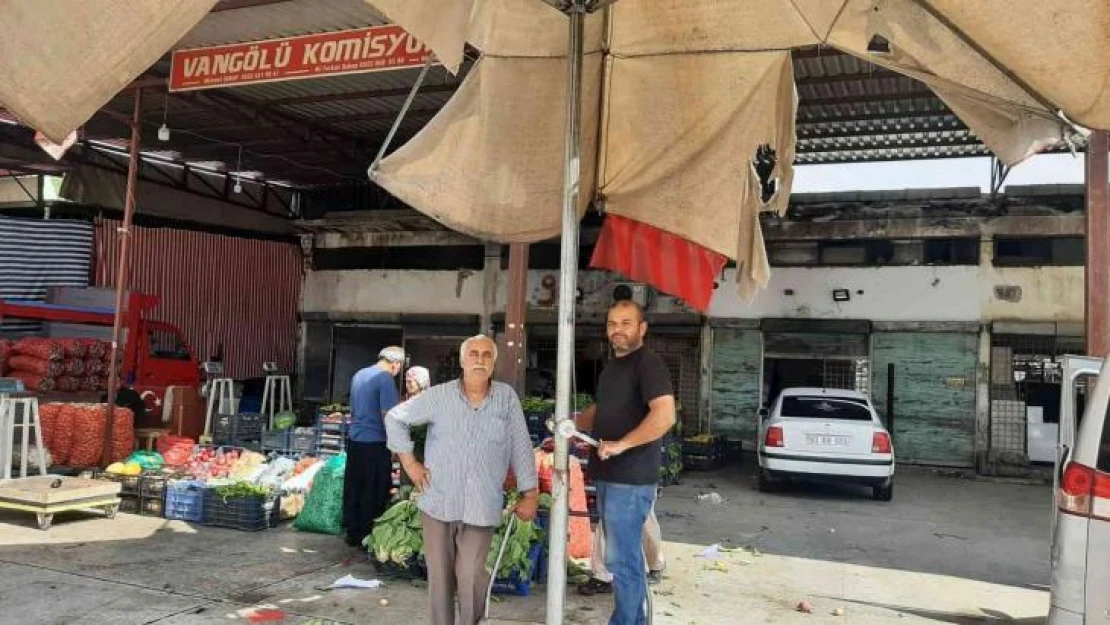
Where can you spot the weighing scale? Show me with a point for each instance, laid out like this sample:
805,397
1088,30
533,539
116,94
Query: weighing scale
46,495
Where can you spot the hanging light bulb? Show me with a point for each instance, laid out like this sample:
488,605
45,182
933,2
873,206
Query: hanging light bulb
164,133
238,188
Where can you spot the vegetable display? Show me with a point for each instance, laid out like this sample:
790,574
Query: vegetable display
241,489
398,535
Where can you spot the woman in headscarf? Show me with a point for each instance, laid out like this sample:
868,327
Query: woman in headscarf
417,380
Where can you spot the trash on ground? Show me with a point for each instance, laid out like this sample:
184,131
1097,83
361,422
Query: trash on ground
838,612
711,552
350,581
714,498
804,606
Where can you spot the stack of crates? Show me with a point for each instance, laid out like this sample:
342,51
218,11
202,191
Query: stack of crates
331,436
238,430
152,494
704,452
291,441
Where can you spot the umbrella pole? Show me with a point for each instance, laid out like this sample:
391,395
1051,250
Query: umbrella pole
114,381
568,285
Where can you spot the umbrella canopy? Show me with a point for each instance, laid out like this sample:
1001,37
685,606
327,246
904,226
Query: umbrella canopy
60,61
679,94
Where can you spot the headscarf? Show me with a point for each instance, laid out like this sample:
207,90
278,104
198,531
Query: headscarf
421,376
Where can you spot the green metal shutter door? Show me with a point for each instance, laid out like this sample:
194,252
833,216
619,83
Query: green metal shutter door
734,400
934,394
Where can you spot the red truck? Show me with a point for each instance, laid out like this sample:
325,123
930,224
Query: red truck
154,355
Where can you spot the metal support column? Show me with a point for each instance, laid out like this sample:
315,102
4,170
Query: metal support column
1098,246
122,273
516,311
568,284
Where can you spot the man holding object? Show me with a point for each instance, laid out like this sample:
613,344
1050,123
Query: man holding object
476,433
635,408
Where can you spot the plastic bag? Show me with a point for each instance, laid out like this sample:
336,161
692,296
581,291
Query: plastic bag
175,450
323,507
148,460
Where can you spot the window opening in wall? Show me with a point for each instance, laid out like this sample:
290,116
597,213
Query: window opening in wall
1058,251
1025,384
874,252
414,257
840,373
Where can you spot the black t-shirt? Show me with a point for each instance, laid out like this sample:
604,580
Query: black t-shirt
626,386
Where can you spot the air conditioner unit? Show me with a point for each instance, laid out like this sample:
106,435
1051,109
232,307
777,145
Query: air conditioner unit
635,291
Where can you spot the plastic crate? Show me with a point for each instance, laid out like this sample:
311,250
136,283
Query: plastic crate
250,513
704,455
129,504
302,442
153,485
185,501
275,439
129,484
152,506
233,429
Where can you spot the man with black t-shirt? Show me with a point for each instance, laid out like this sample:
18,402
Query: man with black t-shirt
634,409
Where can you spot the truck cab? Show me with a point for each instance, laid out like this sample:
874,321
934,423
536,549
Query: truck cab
154,355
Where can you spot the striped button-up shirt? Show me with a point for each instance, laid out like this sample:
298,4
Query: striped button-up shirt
468,452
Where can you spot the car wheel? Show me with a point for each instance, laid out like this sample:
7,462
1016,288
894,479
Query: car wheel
884,492
767,484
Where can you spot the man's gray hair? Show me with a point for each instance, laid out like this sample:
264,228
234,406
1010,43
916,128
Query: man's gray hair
392,354
476,337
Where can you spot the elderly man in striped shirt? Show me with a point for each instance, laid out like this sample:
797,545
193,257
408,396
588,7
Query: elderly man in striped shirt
476,433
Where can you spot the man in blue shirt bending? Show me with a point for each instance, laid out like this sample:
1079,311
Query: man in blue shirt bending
368,478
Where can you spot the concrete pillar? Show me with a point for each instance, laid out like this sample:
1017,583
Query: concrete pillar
1098,246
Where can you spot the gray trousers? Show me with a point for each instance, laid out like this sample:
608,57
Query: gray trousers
456,555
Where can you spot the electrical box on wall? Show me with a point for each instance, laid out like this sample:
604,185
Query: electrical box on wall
635,291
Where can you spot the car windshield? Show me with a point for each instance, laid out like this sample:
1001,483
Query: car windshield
843,408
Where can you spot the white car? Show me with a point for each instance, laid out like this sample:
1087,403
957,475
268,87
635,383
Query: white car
827,435
1081,524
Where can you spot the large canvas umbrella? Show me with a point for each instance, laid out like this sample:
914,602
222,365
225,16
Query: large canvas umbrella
665,103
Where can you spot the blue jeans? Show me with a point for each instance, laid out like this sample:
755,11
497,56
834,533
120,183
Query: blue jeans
624,508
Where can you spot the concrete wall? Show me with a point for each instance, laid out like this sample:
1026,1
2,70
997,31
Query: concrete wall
959,293
449,292
393,291
1032,293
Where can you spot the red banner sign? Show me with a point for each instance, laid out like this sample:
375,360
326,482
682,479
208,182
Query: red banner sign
308,56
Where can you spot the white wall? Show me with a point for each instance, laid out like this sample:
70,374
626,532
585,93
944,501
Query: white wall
962,293
889,294
1047,293
959,293
393,291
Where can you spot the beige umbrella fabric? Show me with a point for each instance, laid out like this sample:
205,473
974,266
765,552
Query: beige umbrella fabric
61,60
678,95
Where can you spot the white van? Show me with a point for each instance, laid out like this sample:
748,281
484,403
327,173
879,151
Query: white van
1081,521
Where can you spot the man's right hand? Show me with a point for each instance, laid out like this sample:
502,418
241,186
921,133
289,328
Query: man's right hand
419,474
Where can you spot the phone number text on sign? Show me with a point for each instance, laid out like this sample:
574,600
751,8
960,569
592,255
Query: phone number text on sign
326,54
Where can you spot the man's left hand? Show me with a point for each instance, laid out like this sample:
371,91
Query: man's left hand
526,508
609,449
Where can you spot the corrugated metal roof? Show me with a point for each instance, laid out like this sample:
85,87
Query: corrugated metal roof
280,19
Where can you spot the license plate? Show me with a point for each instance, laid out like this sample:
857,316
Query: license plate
825,440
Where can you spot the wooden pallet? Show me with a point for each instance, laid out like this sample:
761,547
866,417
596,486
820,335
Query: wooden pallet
47,495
